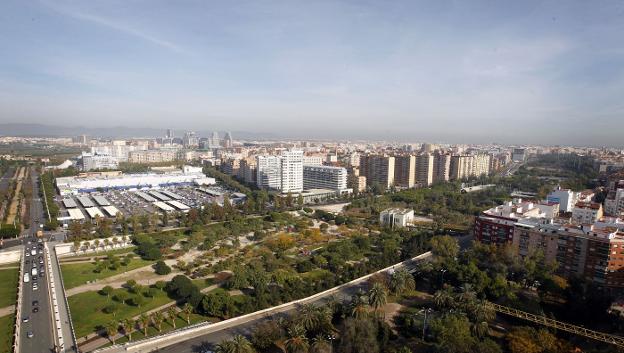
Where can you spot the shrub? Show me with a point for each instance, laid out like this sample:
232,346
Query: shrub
161,268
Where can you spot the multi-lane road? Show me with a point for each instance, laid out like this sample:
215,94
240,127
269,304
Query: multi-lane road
39,323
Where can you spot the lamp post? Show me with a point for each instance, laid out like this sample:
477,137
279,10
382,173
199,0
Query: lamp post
443,271
425,311
331,338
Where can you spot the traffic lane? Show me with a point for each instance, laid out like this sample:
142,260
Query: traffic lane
39,323
208,341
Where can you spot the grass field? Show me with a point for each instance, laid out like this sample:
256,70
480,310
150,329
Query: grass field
86,310
75,275
7,325
8,289
89,255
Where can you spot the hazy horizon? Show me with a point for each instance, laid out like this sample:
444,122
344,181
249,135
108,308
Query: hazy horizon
516,72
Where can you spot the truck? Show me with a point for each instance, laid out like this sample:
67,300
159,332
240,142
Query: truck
39,234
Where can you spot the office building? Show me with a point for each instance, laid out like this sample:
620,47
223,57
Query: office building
89,161
424,169
228,142
377,169
324,177
405,171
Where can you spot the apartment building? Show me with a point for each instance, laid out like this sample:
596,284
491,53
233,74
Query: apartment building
89,161
378,169
324,177
424,169
268,172
586,212
152,156
283,172
441,167
405,171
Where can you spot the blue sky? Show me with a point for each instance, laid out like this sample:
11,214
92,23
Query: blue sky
457,71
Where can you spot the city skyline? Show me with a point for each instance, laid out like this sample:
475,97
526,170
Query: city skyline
529,72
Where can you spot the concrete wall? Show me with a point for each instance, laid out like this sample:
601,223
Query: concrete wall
7,257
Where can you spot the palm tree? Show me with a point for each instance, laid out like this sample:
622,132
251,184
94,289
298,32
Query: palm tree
128,326
115,242
106,243
85,246
307,317
76,246
443,298
172,314
482,312
225,347
377,296
298,342
111,330
157,320
187,309
320,345
358,305
242,345
95,245
144,322
402,281
479,329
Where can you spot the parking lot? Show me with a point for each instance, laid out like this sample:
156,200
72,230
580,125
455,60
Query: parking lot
140,202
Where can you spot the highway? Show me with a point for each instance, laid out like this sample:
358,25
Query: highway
39,323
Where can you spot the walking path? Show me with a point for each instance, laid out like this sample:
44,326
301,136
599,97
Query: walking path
7,310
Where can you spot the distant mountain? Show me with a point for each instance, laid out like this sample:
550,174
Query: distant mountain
42,130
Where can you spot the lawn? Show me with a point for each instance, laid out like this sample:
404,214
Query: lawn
8,289
7,325
86,309
129,249
75,275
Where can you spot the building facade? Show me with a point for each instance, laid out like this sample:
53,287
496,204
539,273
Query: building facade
324,177
377,169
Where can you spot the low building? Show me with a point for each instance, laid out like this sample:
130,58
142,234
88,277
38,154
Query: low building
587,212
89,161
313,196
396,217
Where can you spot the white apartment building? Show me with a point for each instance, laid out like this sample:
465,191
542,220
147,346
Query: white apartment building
268,172
615,206
313,160
586,212
566,198
152,156
292,171
324,177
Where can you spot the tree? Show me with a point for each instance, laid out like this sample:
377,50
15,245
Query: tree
402,281
444,247
300,200
358,306
121,297
107,291
161,268
128,326
238,344
377,296
307,317
267,333
160,285
297,341
358,336
172,314
320,345
158,319
522,340
111,308
138,300
452,334
111,330
187,309
143,323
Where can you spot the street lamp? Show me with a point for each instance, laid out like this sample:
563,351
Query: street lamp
443,271
331,338
425,311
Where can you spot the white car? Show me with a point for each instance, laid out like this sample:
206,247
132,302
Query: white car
35,286
26,278
33,252
33,271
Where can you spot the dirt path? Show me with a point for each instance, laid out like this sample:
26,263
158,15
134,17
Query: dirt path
7,310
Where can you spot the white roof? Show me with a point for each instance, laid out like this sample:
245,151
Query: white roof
101,200
111,210
163,206
171,194
94,211
179,205
85,202
159,196
75,214
69,203
145,196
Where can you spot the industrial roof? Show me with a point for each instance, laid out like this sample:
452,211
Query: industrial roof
145,196
69,203
94,211
111,210
179,205
159,196
163,206
101,200
171,194
76,214
85,201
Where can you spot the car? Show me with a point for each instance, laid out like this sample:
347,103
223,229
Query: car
26,278
35,310
34,278
30,334
33,271
35,286
40,260
35,303
26,319
27,262
27,253
33,252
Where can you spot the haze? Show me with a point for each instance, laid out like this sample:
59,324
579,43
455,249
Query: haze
457,71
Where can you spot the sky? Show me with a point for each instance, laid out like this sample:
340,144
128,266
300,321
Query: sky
549,72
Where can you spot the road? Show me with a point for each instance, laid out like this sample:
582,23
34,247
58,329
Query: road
207,342
40,323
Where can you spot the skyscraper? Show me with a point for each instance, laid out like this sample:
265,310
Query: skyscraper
292,171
